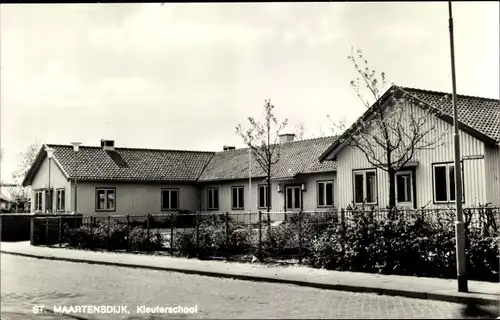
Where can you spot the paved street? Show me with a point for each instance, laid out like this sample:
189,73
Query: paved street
26,282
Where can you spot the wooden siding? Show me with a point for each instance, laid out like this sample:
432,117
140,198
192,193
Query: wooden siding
277,198
57,181
350,159
135,198
492,174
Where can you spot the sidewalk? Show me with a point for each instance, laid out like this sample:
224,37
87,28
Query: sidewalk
413,287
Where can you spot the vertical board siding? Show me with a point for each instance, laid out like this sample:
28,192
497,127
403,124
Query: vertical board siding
351,158
135,198
57,181
492,174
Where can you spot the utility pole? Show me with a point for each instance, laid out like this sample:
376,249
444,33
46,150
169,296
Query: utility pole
459,223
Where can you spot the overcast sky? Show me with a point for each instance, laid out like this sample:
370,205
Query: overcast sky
182,76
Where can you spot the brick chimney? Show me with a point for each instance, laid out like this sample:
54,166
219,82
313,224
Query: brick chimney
107,144
287,137
227,148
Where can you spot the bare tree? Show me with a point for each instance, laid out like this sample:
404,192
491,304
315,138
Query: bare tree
21,194
262,139
394,130
299,129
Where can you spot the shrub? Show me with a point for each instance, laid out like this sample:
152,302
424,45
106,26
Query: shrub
139,240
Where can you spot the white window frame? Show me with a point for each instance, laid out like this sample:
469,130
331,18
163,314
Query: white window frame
61,200
211,195
363,172
405,173
293,197
106,192
447,165
38,201
169,191
240,203
264,186
324,183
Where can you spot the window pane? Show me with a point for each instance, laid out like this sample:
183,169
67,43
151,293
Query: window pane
111,200
451,174
101,199
296,198
289,200
329,194
321,193
210,198
241,198
235,198
358,188
440,183
216,198
174,199
371,187
262,194
63,201
165,199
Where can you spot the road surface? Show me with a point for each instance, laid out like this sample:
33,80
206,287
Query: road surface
27,283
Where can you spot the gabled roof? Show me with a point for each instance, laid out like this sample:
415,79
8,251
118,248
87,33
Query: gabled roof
153,165
479,117
295,157
125,164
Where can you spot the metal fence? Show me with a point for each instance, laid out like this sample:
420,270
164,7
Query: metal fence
280,235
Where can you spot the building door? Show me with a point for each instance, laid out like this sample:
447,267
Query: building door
293,198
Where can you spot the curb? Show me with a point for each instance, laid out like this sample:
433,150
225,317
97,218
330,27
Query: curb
462,299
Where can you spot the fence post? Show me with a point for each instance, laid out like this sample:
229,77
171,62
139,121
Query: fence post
147,226
60,231
260,236
46,230
172,234
74,226
300,237
108,229
128,233
197,231
227,233
33,232
342,228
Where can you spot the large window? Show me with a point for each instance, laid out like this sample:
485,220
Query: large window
213,199
444,182
105,199
264,196
237,198
38,200
60,200
293,198
325,193
404,187
169,199
365,186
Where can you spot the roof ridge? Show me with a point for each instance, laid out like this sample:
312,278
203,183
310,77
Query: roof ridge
447,93
288,142
129,148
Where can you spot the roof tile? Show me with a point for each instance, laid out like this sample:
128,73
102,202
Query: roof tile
295,157
94,163
481,114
